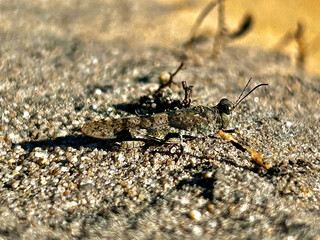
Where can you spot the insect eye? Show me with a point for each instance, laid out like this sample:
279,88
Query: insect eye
225,106
228,109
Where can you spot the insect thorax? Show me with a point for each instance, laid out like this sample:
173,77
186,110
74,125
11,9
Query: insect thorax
210,120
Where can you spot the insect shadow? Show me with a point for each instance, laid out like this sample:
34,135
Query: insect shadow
74,141
158,101
79,141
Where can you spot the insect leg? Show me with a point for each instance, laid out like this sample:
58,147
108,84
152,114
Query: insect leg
181,143
143,134
256,157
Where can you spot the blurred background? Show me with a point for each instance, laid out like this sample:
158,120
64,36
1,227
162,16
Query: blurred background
164,23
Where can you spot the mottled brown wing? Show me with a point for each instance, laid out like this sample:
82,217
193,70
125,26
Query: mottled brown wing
103,129
187,119
124,127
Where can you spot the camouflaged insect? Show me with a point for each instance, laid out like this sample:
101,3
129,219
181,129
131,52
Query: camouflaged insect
190,121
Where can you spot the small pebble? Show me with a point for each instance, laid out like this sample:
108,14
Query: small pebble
195,215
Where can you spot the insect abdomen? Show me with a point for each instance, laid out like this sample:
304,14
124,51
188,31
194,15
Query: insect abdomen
108,129
103,129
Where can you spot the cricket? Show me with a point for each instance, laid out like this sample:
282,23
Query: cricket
197,121
168,127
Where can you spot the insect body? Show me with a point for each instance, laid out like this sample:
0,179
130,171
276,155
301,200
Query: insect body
191,121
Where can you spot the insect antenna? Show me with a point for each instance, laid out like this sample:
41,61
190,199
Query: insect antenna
243,91
239,100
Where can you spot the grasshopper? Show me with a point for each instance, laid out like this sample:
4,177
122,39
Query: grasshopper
197,121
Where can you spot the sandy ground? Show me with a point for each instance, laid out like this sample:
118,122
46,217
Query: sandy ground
59,184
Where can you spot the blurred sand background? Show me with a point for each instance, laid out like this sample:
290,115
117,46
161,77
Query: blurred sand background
163,22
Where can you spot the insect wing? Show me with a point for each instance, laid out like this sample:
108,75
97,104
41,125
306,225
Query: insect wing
187,119
103,129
